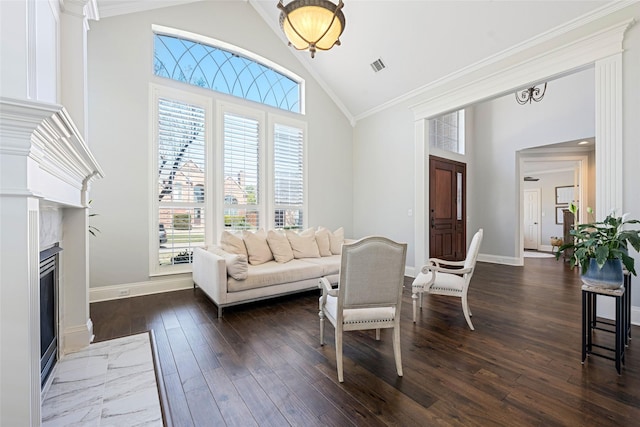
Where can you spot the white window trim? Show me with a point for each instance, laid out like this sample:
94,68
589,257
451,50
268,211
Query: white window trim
234,108
215,106
274,119
155,93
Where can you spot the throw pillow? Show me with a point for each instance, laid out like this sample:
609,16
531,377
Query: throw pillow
322,239
336,239
280,246
257,247
304,243
232,243
237,266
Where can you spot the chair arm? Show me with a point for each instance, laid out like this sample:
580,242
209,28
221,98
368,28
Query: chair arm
326,287
434,268
438,262
327,290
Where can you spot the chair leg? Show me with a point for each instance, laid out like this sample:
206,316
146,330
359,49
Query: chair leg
377,334
396,349
321,315
339,354
466,311
414,297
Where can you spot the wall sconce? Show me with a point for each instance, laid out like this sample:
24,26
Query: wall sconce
531,94
312,24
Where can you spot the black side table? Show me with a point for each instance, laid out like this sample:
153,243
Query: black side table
621,322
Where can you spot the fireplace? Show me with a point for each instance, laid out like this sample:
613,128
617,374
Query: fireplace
48,311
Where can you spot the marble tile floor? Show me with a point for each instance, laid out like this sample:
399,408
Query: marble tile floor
110,383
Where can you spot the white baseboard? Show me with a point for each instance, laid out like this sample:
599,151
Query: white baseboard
545,248
497,259
77,337
107,293
635,315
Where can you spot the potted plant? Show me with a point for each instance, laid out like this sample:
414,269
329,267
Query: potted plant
601,249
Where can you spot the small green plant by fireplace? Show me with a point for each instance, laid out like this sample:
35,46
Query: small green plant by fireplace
92,229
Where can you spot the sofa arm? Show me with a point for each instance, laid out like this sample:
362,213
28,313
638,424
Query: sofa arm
210,274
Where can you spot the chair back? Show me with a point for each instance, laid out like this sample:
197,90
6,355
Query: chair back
474,248
372,273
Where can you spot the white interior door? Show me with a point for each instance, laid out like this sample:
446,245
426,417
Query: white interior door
532,219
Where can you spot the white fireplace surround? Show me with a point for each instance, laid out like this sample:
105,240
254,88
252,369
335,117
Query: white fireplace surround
45,166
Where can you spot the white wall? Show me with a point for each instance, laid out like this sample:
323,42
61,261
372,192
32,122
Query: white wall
383,176
120,69
547,184
384,163
503,127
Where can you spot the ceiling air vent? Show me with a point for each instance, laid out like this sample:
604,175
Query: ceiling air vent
378,65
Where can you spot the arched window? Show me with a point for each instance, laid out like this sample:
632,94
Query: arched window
226,71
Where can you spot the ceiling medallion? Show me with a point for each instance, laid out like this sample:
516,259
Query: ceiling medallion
312,24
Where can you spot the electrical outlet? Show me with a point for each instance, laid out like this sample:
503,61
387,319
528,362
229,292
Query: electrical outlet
123,292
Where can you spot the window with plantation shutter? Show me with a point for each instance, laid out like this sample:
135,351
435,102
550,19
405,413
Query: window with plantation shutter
446,132
181,169
242,186
228,150
288,176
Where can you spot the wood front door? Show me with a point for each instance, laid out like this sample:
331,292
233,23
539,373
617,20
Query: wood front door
447,209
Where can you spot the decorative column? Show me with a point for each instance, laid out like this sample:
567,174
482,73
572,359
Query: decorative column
421,195
19,273
608,135
73,61
609,172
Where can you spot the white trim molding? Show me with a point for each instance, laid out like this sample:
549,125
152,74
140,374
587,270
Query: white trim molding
127,290
529,64
499,259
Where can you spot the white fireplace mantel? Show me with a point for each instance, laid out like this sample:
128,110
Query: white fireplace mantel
44,161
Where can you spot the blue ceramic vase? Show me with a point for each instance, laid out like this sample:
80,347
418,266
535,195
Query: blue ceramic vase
609,276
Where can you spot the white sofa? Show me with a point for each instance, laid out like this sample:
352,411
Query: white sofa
294,263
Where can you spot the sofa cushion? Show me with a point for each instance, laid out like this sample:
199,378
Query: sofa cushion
280,246
237,265
233,243
257,247
304,243
330,264
322,239
273,273
336,239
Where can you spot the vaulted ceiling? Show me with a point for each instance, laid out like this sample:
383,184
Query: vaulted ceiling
419,41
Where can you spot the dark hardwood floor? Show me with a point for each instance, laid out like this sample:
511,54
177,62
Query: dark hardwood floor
261,364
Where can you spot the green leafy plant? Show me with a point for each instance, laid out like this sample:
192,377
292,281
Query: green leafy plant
92,229
602,241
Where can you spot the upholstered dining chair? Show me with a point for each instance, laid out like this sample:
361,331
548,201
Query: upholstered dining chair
369,293
442,277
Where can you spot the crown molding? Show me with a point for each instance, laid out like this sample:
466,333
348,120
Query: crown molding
108,9
503,56
46,134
